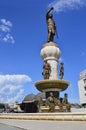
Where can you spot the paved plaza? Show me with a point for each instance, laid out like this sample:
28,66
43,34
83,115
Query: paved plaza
43,125
7,127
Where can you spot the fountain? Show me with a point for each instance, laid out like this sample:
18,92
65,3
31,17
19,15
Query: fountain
50,53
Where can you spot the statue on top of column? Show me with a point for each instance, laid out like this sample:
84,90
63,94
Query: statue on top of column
51,25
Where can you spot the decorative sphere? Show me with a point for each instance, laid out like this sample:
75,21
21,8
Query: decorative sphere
50,50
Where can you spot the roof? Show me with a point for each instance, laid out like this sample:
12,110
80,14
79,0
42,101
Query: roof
29,97
32,97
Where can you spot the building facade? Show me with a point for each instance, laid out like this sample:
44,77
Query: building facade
82,88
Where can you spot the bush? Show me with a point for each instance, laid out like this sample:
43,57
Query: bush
2,106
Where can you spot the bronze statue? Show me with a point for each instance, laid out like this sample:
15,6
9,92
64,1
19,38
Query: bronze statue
46,70
65,102
51,25
51,102
61,70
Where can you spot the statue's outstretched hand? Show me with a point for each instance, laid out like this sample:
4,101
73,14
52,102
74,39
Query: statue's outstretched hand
52,8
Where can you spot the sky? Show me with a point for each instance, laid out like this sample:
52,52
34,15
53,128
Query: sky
23,31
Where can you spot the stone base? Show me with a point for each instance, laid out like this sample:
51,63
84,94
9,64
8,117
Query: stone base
57,109
75,116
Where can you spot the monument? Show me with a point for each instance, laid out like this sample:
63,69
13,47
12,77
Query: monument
53,83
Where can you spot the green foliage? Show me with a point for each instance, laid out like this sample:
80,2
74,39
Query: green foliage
2,106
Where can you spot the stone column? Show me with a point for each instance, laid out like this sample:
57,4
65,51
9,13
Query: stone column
51,52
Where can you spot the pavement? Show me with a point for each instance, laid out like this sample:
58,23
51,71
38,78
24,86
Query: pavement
7,127
42,125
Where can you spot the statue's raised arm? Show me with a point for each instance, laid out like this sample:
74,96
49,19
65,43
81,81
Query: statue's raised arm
49,12
50,24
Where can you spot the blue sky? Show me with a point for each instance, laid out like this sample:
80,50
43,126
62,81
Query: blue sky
23,31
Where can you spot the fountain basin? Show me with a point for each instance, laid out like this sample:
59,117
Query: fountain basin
51,84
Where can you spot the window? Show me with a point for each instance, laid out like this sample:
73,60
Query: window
84,81
85,88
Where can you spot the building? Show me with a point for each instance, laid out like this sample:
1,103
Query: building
31,103
82,88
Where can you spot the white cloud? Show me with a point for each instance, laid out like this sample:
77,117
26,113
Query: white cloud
5,31
4,28
15,98
11,87
64,5
8,38
7,23
15,79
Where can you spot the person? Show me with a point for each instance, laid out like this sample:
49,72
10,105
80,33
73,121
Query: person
51,102
61,70
51,25
46,70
